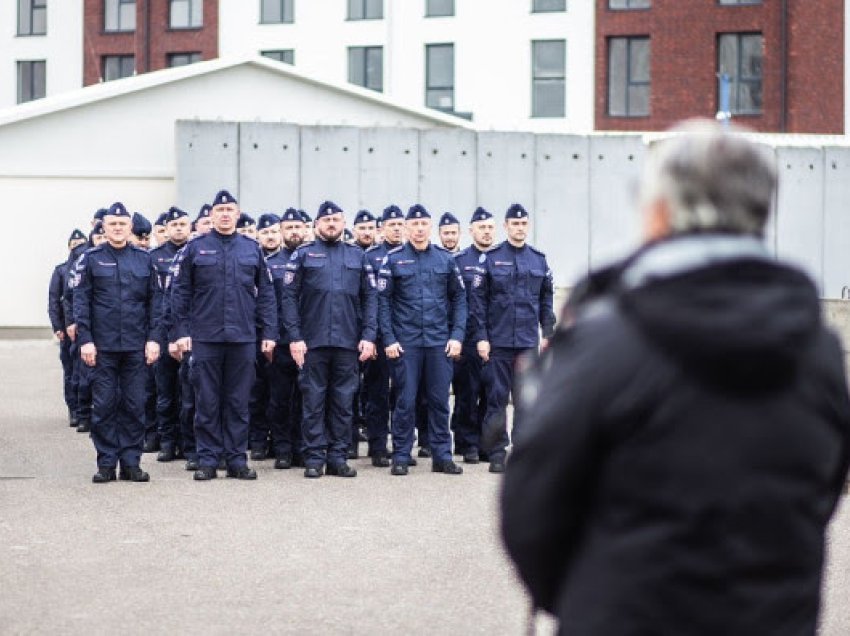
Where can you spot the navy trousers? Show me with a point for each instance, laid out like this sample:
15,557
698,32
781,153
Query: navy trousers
430,367
376,385
81,383
150,404
328,381
260,428
118,402
284,412
494,429
167,374
67,361
470,400
187,408
223,376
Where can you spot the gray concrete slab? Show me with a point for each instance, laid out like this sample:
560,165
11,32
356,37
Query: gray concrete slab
282,554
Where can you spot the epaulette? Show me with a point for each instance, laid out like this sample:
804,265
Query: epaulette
535,250
93,249
395,249
374,247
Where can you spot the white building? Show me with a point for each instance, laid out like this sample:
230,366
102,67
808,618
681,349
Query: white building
41,49
481,59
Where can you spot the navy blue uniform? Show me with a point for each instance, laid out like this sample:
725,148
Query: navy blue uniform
512,302
80,373
470,397
114,309
56,313
222,297
328,302
422,305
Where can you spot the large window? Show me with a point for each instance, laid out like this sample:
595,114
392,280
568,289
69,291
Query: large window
119,15
365,9
277,11
435,8
366,66
186,14
629,4
628,76
440,76
32,81
739,56
118,66
182,59
739,2
32,17
548,78
547,6
281,55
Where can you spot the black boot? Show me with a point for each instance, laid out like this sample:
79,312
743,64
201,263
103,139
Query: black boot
103,475
84,425
133,473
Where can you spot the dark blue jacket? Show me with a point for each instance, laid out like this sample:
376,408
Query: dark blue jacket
514,299
70,281
470,262
221,291
114,298
277,263
54,297
164,257
422,301
329,296
374,257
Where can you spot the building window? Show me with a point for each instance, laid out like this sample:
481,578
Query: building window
739,55
440,76
366,66
277,11
739,2
628,76
629,4
182,59
282,55
32,17
32,80
118,66
365,9
436,8
186,14
119,15
548,78
548,6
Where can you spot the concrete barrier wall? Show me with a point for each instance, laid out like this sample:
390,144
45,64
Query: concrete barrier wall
579,189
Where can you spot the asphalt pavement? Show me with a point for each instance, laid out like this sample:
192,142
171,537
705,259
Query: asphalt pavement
281,555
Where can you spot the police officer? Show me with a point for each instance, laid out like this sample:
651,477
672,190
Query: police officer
56,313
284,412
141,231
269,238
167,368
309,235
203,222
221,294
329,313
247,226
364,230
512,302
117,334
159,232
470,397
364,238
449,231
423,318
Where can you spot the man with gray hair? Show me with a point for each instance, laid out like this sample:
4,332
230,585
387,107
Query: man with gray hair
686,439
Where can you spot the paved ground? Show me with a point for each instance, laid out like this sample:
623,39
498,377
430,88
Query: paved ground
282,555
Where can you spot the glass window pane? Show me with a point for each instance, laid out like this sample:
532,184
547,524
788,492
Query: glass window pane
617,76
638,100
110,15
24,24
39,79
727,56
440,98
288,11
548,5
128,66
197,13
356,66
355,9
39,21
548,98
639,60
179,14
749,97
440,66
751,56
375,68
270,11
24,79
375,9
439,7
128,16
549,58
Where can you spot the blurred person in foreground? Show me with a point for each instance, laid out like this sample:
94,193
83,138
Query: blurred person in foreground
685,440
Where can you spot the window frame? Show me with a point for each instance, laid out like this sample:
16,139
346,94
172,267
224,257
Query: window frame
628,6
430,14
734,88
190,26
30,64
120,58
364,6
283,5
535,9
118,4
546,79
283,53
365,50
739,3
189,54
428,87
31,6
628,79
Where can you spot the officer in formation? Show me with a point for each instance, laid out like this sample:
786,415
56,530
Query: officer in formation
114,309
504,295
329,313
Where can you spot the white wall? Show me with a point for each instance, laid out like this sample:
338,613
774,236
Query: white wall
61,47
492,52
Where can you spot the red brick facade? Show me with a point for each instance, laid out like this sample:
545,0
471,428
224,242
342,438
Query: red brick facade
152,41
803,62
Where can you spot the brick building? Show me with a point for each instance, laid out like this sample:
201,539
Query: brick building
659,61
125,37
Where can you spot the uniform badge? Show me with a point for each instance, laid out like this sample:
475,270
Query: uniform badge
476,280
372,282
382,284
288,277
482,259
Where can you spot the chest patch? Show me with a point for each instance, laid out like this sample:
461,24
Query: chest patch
207,252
